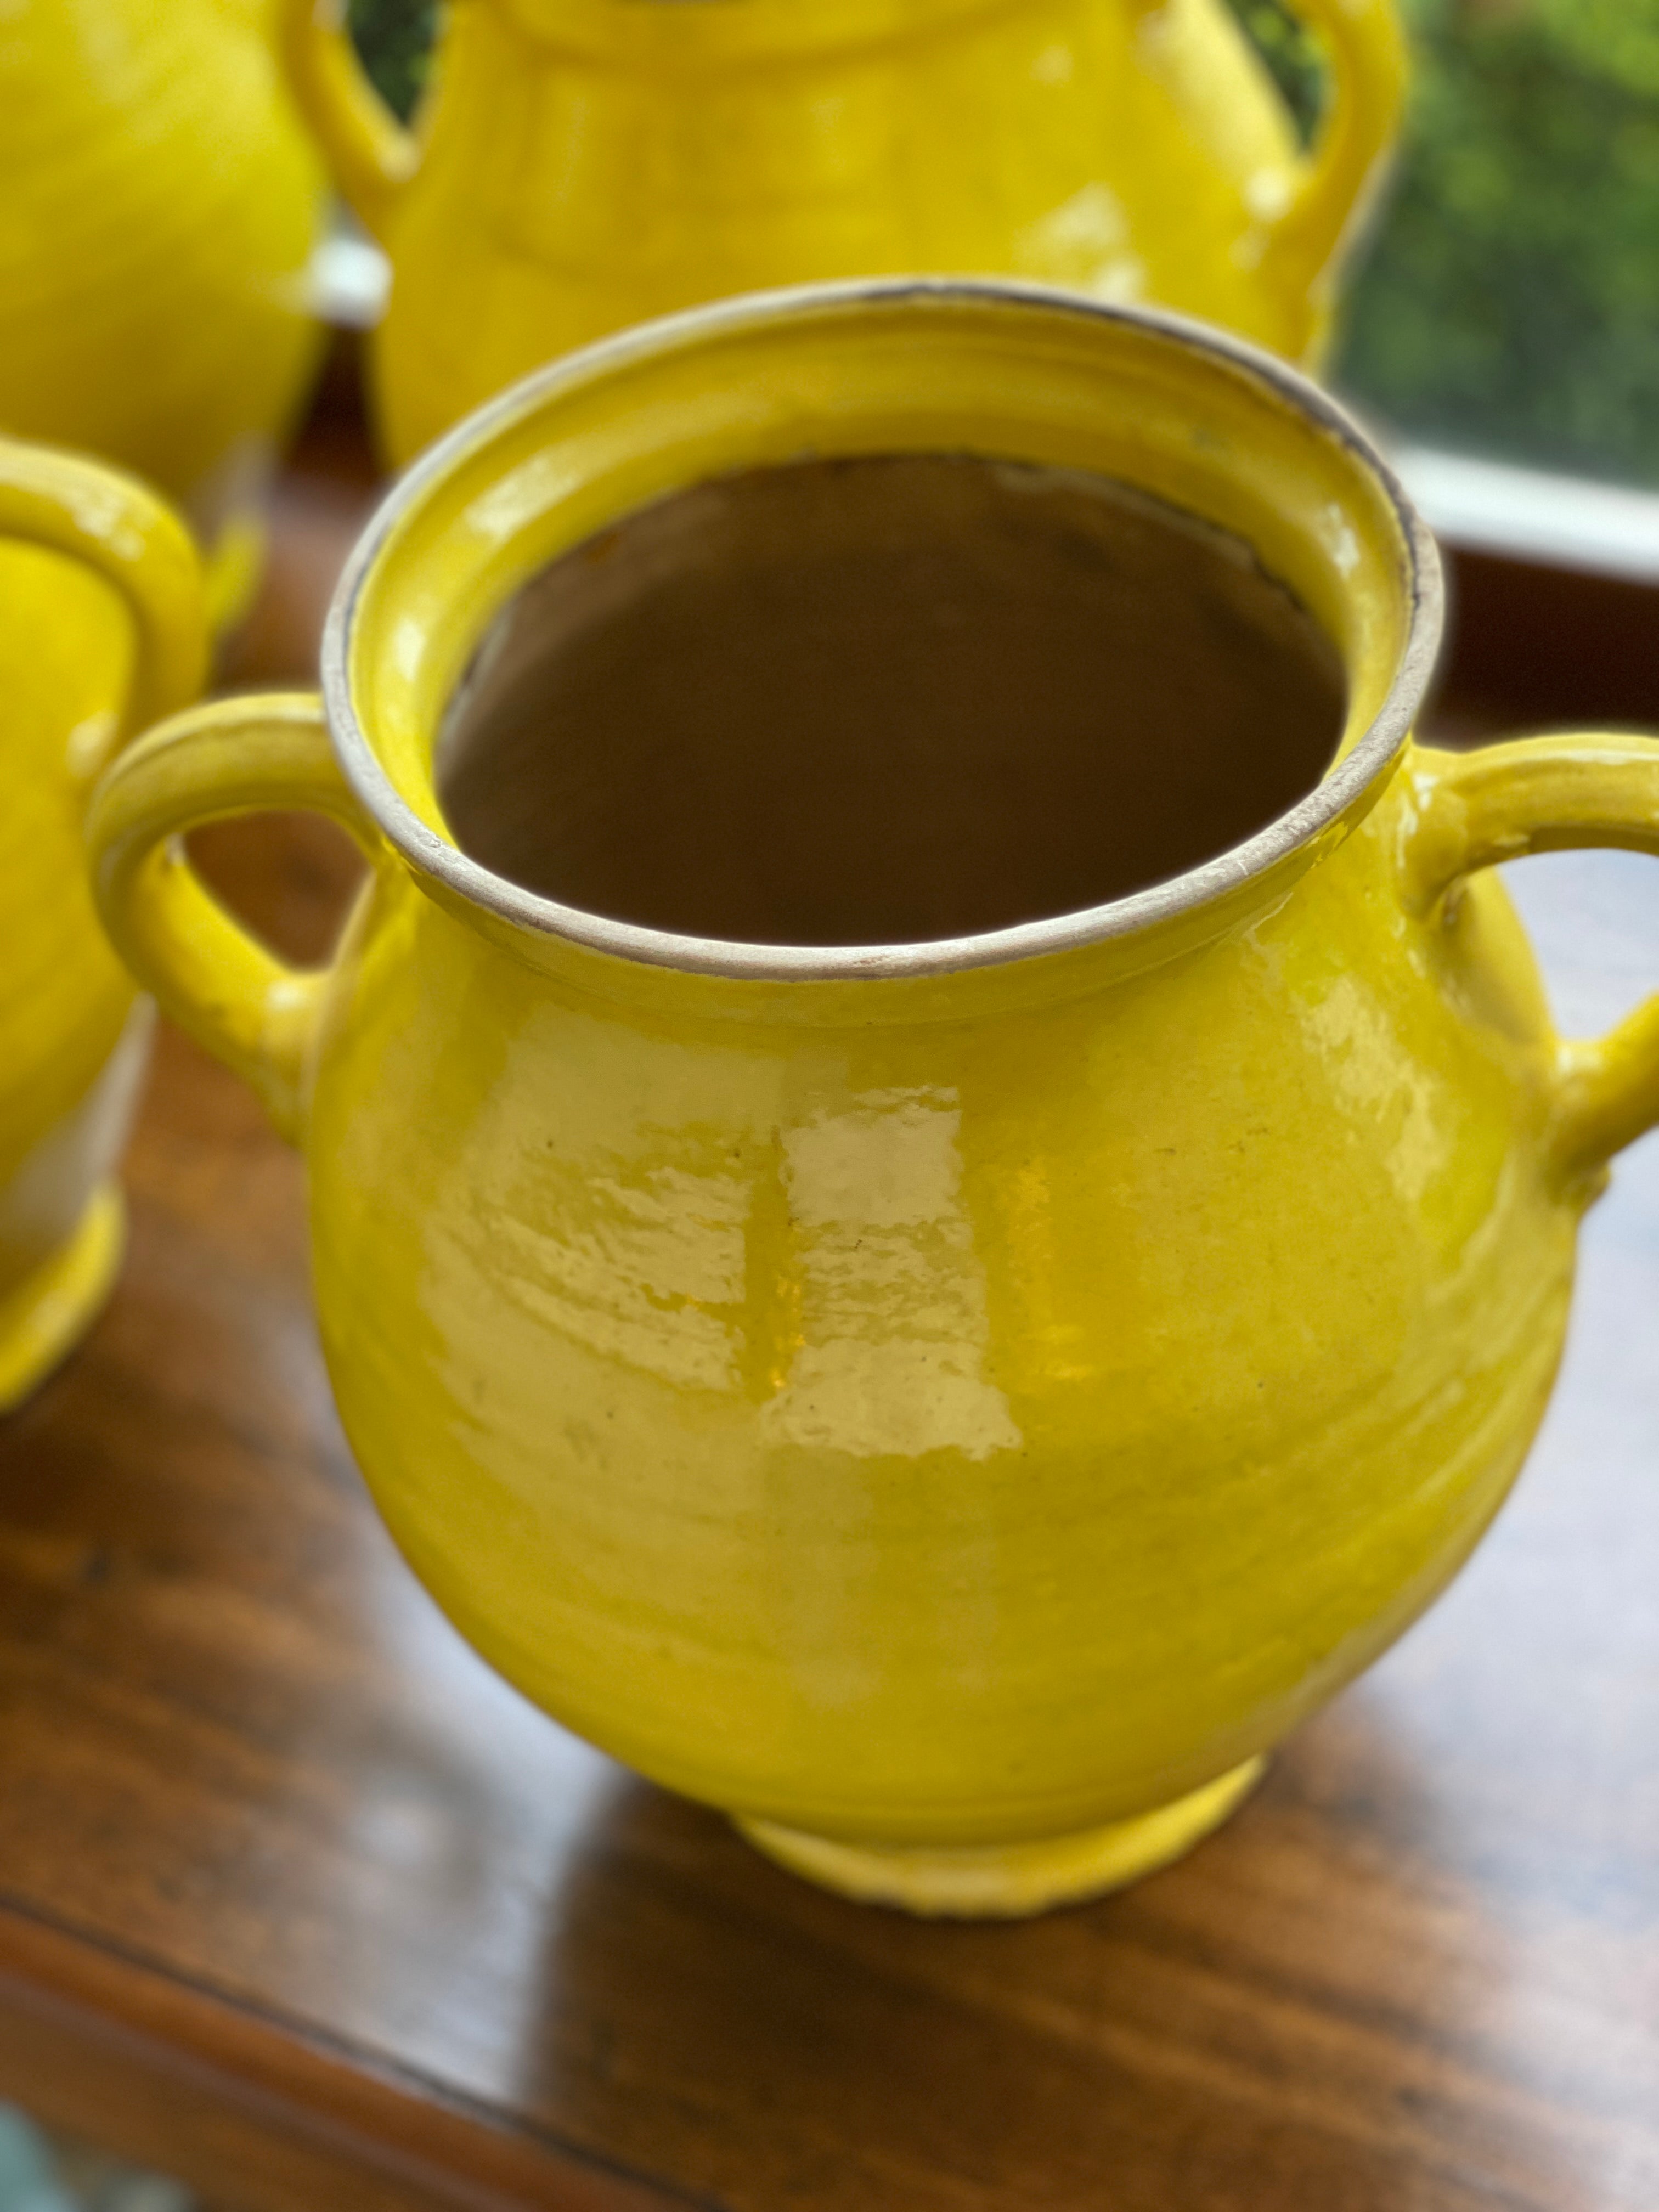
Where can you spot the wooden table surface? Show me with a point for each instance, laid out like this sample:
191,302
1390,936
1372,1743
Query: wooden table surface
298,1901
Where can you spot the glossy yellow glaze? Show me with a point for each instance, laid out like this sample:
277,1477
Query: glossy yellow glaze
101,629
158,205
587,164
954,1410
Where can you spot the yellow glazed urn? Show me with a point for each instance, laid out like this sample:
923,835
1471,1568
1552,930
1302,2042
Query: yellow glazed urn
583,165
101,629
956,1403
159,203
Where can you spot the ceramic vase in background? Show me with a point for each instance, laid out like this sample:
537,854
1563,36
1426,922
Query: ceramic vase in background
158,206
953,1404
582,165
102,628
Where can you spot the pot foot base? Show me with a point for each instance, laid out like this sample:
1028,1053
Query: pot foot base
43,1318
1006,1882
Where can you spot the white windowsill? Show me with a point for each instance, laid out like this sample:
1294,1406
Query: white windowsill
1563,522
351,280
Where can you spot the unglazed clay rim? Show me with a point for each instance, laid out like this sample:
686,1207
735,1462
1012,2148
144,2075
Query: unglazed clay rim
1160,902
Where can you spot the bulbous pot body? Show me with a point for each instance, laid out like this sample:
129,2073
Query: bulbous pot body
100,621
930,1400
584,165
159,203
988,1422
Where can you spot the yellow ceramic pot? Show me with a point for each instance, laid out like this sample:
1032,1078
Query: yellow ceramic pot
955,1405
158,206
101,629
585,164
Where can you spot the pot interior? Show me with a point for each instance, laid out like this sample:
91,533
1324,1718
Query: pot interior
885,700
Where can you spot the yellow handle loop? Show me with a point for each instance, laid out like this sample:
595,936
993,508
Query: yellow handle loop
1368,71
230,757
129,537
373,157
1552,794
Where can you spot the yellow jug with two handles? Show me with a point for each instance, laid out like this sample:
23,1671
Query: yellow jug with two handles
102,628
953,1399
584,165
158,206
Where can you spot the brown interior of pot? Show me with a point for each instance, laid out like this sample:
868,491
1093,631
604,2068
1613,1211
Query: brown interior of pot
885,700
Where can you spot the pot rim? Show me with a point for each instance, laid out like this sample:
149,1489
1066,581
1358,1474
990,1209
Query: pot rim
1366,761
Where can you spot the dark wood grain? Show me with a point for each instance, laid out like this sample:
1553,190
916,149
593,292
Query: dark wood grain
1532,644
297,1899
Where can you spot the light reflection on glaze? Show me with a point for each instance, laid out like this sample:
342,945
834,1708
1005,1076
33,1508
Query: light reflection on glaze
1397,1105
648,1270
894,1324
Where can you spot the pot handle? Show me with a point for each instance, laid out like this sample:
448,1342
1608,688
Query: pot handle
372,156
134,542
1368,70
244,755
1552,795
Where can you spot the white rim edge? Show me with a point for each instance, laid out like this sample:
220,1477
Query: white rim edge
1185,893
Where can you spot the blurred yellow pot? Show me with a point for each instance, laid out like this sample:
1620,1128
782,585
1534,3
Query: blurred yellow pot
158,208
101,629
955,1405
587,164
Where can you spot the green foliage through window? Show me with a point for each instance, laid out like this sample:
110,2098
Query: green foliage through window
395,36
1510,304
1291,54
